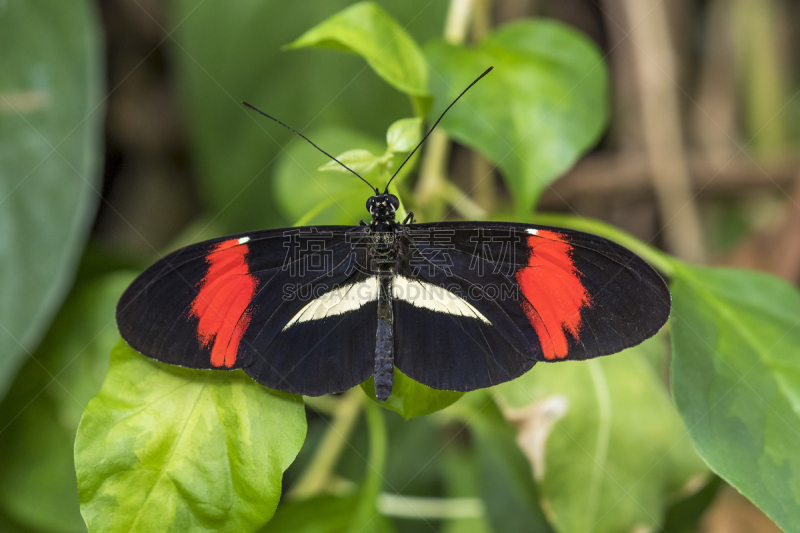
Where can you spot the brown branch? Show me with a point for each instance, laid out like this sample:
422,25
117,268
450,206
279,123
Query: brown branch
611,175
661,120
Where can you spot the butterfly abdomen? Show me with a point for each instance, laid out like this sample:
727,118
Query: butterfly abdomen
383,255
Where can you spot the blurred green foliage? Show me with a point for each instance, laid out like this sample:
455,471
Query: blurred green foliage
564,448
584,423
225,55
41,411
51,112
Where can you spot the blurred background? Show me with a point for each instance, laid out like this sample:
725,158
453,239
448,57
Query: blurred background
700,158
718,112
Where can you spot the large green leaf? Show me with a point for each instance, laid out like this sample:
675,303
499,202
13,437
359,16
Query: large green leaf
50,124
736,381
543,105
411,399
40,414
225,54
608,448
164,447
369,31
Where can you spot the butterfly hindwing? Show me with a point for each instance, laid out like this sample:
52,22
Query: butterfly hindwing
326,340
549,294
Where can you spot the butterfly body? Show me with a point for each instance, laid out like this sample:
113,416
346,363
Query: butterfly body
383,254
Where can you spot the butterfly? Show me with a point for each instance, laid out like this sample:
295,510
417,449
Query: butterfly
453,305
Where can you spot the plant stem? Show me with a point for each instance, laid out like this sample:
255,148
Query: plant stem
373,477
423,508
432,175
457,23
433,171
463,204
319,471
483,183
656,72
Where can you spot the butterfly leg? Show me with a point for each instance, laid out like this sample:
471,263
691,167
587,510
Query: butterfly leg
409,217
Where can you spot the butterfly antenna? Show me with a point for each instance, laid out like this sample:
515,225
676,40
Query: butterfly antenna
436,123
312,144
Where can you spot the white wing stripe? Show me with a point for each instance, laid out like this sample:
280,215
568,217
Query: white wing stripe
418,293
338,301
429,296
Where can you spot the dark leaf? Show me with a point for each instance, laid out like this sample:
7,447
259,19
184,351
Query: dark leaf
736,381
51,112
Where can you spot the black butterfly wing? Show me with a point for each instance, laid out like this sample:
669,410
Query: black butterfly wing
225,303
538,294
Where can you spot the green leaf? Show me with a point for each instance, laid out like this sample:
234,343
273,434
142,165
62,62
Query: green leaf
358,160
51,119
322,514
404,135
40,414
506,483
164,447
410,398
543,105
326,198
736,381
584,424
367,30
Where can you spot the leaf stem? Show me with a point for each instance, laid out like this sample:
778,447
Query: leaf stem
433,171
483,182
424,508
458,19
373,478
318,473
460,202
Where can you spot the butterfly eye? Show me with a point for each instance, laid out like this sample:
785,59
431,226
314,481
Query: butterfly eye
370,203
394,201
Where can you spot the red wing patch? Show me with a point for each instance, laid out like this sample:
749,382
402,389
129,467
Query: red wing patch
221,305
554,292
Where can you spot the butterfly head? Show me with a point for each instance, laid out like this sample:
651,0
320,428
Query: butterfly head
382,207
